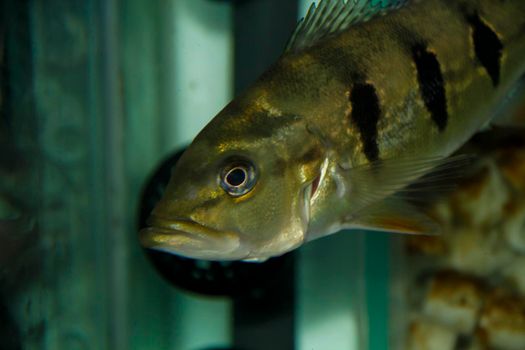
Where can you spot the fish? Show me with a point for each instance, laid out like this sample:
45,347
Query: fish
367,99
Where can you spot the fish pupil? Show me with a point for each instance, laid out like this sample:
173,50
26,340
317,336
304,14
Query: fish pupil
236,177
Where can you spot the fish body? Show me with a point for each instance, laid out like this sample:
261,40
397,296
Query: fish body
365,100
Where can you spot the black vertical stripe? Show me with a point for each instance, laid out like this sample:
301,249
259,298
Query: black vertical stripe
365,115
431,84
487,46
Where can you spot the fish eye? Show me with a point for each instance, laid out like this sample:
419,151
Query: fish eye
238,178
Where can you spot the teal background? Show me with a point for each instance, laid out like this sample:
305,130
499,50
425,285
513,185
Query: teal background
100,93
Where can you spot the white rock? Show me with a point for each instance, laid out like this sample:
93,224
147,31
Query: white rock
425,335
503,322
453,300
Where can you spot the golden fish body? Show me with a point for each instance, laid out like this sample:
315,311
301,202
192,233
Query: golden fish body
353,112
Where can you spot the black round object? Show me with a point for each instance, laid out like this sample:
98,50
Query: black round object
236,177
226,278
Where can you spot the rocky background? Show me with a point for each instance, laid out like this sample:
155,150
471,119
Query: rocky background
466,288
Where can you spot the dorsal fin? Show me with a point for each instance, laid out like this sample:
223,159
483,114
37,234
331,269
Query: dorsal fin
334,16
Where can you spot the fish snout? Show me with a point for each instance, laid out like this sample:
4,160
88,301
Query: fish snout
191,239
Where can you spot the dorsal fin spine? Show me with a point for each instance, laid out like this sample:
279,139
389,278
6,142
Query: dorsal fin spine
321,8
334,16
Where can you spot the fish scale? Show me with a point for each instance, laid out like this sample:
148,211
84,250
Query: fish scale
368,98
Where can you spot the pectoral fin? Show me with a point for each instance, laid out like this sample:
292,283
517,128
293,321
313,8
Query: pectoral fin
384,195
394,215
411,179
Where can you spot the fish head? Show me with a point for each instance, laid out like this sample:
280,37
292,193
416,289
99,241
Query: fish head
235,194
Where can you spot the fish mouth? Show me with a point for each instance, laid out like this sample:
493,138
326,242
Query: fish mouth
191,239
